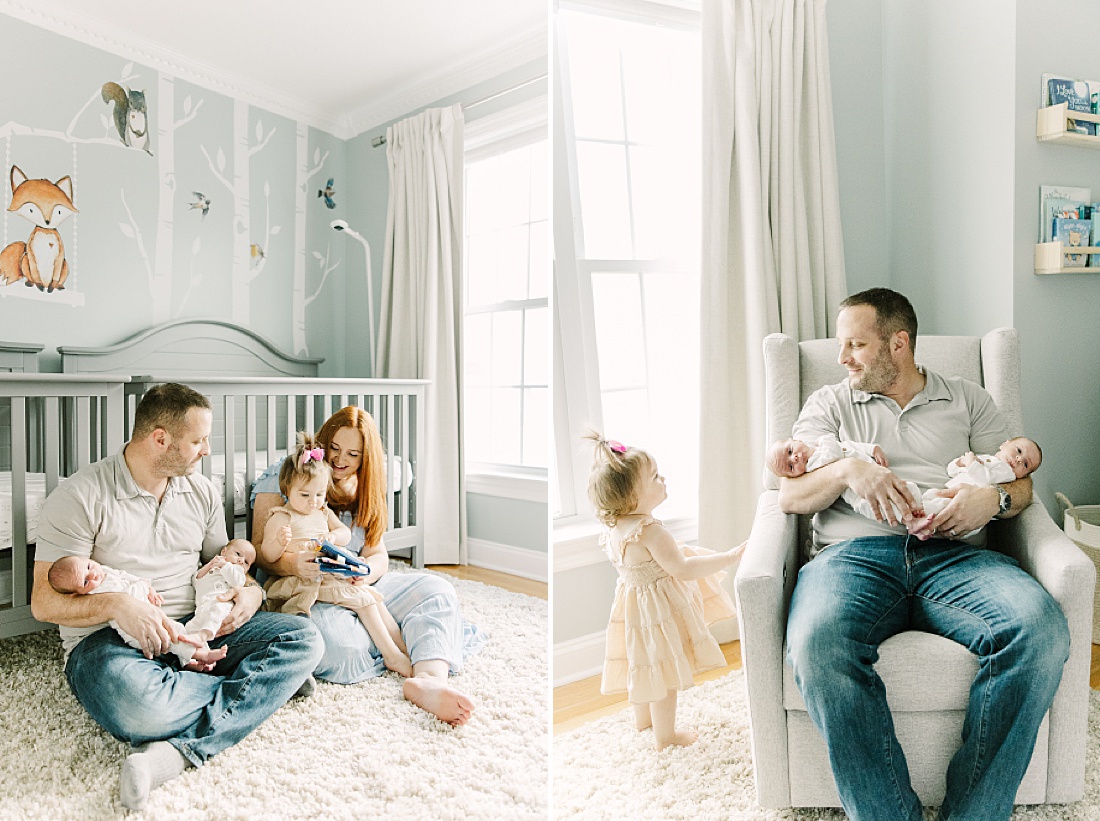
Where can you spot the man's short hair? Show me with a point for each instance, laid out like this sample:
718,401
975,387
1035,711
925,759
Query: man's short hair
166,406
893,312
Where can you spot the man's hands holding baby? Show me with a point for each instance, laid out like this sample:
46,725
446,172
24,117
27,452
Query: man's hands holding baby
970,508
882,489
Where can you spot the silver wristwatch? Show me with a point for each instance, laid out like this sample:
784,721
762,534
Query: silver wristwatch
1005,501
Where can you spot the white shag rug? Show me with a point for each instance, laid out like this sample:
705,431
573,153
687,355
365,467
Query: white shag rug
608,770
348,752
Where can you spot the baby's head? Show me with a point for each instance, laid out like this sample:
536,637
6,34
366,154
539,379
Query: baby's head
306,476
1022,455
239,552
788,457
75,574
618,478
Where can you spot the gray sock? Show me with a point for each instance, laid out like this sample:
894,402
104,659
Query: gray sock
147,768
307,688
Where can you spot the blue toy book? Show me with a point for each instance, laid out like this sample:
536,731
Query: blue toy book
343,562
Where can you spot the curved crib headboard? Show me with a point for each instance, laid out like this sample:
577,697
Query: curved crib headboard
187,347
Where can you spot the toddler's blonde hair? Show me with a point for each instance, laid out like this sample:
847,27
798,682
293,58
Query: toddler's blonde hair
303,464
613,482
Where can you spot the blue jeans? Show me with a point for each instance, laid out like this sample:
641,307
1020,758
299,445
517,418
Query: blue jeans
137,699
426,609
858,593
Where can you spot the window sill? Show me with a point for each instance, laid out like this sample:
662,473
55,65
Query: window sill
577,540
508,486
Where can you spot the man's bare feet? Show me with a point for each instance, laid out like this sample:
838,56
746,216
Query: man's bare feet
439,698
682,738
398,662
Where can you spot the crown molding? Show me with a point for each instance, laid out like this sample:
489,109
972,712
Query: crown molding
451,80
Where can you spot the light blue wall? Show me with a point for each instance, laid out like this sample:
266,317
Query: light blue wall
1057,315
513,522
960,90
132,205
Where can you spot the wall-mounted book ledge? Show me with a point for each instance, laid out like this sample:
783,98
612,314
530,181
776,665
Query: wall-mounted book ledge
1056,123
1051,257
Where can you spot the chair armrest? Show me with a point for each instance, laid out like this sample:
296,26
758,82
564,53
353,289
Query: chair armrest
763,585
1060,566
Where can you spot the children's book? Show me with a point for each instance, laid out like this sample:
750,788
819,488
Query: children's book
1058,199
343,562
1073,233
1094,209
1077,96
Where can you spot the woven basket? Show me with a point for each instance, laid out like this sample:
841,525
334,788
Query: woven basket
1082,524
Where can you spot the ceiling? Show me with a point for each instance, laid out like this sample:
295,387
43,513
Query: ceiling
344,66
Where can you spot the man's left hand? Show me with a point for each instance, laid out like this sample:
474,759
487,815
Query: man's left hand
246,601
970,508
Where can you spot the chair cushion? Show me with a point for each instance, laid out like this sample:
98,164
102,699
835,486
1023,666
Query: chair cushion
922,672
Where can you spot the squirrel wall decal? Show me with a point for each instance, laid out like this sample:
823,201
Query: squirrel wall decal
131,115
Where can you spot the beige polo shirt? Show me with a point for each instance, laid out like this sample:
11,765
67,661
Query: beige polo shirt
101,512
945,420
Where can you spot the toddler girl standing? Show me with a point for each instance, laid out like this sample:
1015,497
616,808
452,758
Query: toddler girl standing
667,593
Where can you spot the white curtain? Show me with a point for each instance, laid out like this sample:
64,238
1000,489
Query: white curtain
420,335
773,258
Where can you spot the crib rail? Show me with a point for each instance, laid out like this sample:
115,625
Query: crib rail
256,420
51,425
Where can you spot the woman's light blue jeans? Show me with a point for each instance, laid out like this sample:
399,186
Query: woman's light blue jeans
856,594
426,609
137,699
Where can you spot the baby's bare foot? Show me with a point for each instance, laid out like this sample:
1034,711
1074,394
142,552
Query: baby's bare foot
399,663
440,699
643,719
682,738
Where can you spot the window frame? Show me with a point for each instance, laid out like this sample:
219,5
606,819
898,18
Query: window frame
523,123
577,401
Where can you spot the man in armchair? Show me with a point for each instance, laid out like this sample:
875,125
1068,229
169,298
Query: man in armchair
870,580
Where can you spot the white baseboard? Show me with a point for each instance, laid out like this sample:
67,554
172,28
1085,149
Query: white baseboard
579,658
528,564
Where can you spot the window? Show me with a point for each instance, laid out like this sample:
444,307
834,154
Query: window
507,282
627,243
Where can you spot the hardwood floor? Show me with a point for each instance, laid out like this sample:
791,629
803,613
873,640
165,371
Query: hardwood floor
581,702
516,584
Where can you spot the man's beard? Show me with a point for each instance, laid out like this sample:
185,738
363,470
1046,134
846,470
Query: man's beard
173,464
879,375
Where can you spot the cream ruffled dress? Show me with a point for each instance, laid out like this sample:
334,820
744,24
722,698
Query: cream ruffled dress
657,637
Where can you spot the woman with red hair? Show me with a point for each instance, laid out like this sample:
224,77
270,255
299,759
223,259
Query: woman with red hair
425,606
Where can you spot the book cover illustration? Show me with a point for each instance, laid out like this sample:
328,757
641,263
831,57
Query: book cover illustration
1094,210
1073,233
1077,96
1057,199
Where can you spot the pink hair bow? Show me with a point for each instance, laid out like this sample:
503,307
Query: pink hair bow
316,455
618,447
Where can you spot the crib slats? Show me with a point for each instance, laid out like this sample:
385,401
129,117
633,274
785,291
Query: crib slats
229,477
52,444
20,594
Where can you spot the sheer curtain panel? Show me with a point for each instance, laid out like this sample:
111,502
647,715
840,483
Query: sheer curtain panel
420,336
773,257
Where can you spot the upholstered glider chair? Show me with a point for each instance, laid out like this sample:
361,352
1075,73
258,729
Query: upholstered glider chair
927,677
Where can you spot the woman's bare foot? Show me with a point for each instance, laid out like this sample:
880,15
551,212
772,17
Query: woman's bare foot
643,719
681,738
398,662
439,698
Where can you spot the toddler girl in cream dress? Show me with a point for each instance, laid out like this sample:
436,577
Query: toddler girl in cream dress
666,596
